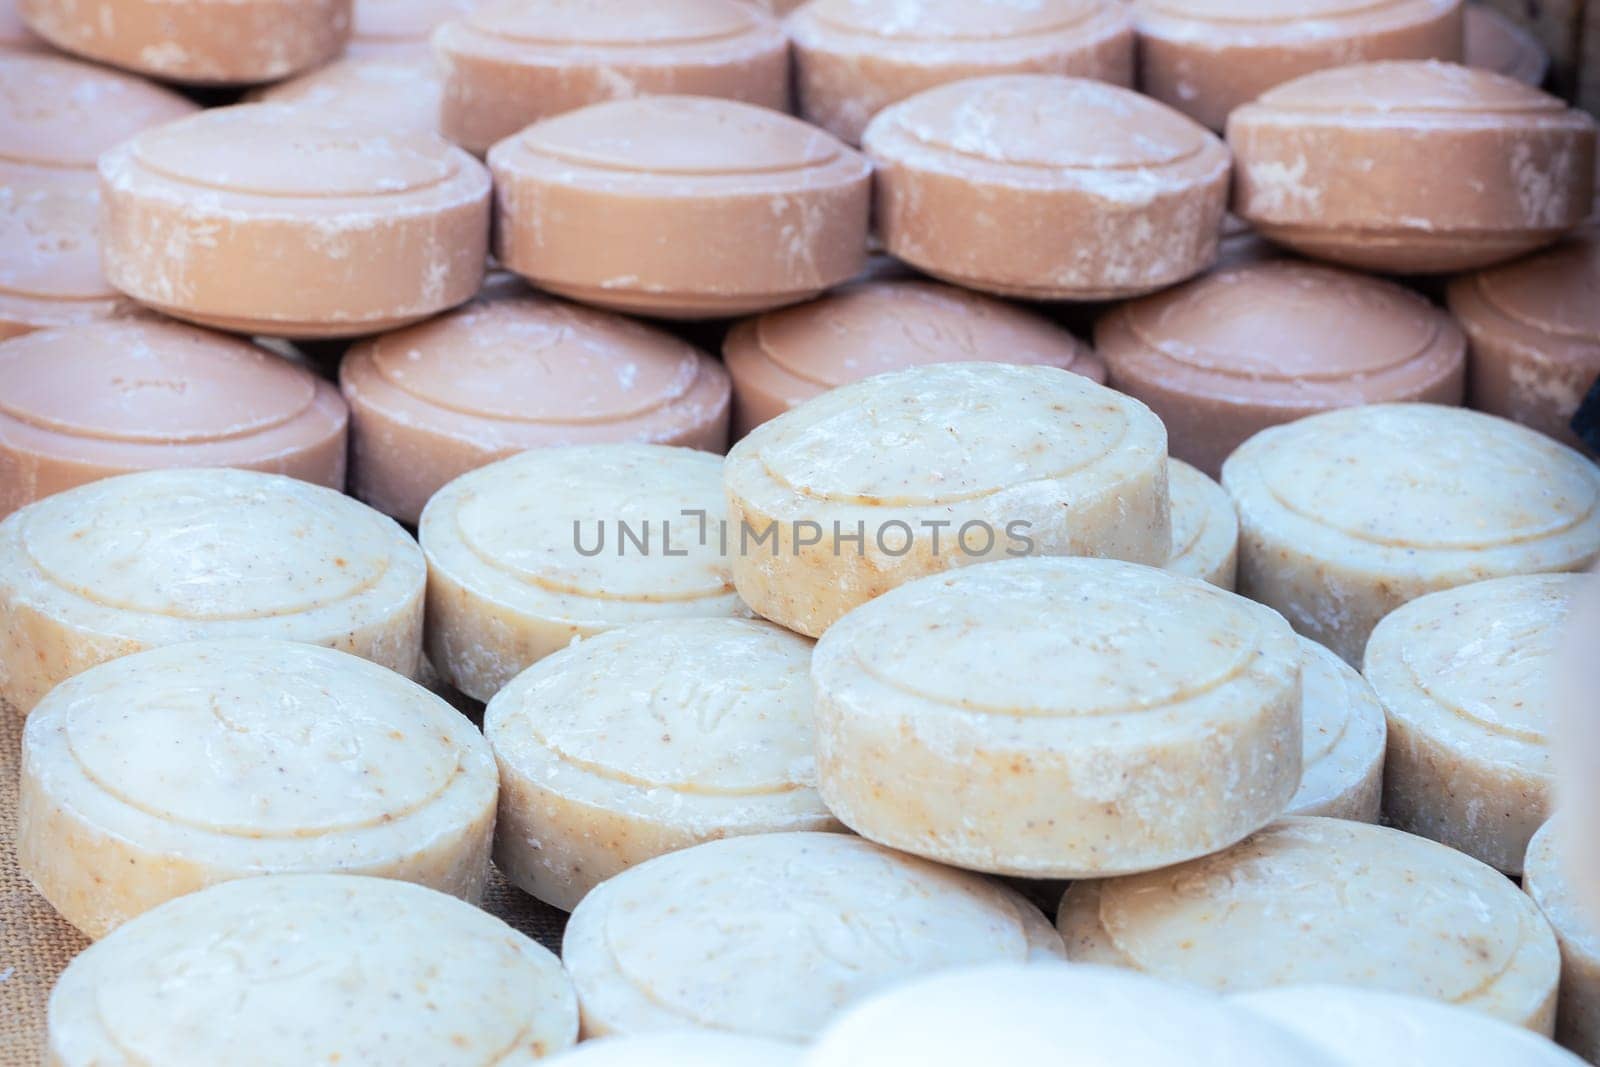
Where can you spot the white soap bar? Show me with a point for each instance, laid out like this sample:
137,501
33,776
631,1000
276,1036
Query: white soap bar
687,1049
1205,529
192,764
1345,736
649,739
1545,876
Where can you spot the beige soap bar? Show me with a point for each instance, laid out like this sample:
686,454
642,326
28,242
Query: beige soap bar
772,935
1345,737
1548,874
400,29
1347,515
303,969
939,467
1205,529
1311,900
1058,718
1466,677
704,1048
197,763
648,739
398,92
556,543
158,557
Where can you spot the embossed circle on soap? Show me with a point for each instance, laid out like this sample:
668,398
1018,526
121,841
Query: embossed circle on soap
47,226
1324,687
60,113
194,556
1423,461
1146,643
1554,291
1409,88
1190,513
953,20
280,151
616,23
107,381
1268,11
498,361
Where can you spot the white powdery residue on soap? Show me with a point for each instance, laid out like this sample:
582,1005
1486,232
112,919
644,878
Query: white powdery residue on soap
1280,187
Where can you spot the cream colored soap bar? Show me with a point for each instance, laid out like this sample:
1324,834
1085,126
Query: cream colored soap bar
912,473
648,739
556,543
1058,718
1205,529
198,763
1344,734
1466,676
687,1049
1347,515
1311,900
303,969
158,557
1546,877
772,935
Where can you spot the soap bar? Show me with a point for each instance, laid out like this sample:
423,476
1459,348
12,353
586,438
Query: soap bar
293,222
1205,530
14,36
1347,515
1492,41
1240,245
508,63
198,42
912,473
400,29
397,93
1466,679
1236,351
1411,167
56,117
1344,735
105,398
197,763
700,1048
1313,900
646,740
771,935
1058,718
1045,187
1207,58
1578,742
785,358
158,557
510,371
680,207
313,969
1548,875
556,543
853,58
1534,327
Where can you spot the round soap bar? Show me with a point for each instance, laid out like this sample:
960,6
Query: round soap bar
293,222
1492,41
56,117
397,93
400,29
199,42
1208,57
313,969
1546,877
680,207
1361,1027
853,58
1534,327
86,402
1411,167
158,557
1466,679
1344,736
14,36
771,935
1205,530
1577,684
912,473
556,543
1236,351
689,1048
1049,188
1311,900
512,371
784,358
198,763
649,739
1347,515
508,63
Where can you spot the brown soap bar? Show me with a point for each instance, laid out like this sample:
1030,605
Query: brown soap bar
1494,42
87,402
509,63
280,220
511,371
1239,350
681,207
1207,57
397,91
56,117
853,58
1049,188
1534,327
400,29
785,358
199,42
1411,167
